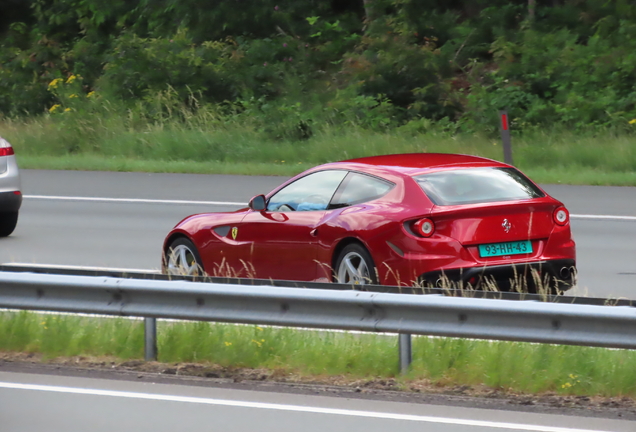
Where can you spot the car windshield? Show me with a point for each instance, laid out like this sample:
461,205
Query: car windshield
477,185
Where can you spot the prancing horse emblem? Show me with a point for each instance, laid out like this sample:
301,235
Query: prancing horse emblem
506,225
234,233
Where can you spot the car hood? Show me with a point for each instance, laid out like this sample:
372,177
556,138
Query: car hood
193,223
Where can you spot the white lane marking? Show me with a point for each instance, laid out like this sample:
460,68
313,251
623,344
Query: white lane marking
294,408
133,200
610,217
230,203
74,267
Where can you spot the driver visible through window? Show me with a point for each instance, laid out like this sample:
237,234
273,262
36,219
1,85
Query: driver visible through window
312,192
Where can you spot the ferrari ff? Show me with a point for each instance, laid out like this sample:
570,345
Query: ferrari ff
10,195
404,219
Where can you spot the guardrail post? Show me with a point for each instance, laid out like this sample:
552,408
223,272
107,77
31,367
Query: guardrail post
150,339
406,355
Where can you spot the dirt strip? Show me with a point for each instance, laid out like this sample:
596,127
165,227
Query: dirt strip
390,389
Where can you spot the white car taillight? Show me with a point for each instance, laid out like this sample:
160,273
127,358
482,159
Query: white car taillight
561,216
5,147
424,227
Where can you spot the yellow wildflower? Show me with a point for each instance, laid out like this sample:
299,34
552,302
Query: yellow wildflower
68,109
259,328
71,79
227,344
54,107
632,121
90,94
54,83
72,96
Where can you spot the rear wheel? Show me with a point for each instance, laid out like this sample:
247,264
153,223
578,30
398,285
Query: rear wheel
8,221
182,258
355,266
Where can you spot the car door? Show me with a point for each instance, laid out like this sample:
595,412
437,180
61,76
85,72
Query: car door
282,238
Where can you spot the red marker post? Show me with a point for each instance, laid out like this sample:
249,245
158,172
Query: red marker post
505,136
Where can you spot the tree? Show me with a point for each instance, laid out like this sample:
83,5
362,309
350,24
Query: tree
369,10
532,4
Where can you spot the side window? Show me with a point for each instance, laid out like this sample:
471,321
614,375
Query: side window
358,188
312,192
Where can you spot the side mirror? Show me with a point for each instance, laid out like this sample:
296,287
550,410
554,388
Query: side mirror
257,203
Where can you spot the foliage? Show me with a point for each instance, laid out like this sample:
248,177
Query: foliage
295,66
408,75
138,66
550,78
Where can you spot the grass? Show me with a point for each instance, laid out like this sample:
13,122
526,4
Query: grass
510,366
93,162
118,143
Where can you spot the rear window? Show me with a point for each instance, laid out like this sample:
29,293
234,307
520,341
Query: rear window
477,185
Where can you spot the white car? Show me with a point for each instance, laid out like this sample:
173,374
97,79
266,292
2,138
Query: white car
10,194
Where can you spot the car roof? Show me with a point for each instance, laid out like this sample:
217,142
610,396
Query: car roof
419,163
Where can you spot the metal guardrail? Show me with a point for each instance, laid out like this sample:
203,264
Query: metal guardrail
529,321
499,295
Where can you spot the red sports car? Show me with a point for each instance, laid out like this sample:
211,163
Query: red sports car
402,219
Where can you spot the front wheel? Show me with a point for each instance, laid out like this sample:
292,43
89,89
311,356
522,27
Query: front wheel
355,266
8,221
182,259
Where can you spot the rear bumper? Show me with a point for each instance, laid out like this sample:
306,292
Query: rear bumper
9,179
10,202
547,275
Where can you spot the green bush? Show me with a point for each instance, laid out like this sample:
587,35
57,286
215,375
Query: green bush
410,76
137,66
552,79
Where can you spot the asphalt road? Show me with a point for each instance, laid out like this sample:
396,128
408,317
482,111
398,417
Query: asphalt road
128,234
124,231
68,404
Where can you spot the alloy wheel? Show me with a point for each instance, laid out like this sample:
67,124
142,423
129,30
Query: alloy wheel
181,261
353,270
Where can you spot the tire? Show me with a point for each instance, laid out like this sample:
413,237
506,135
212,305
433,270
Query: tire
8,221
355,266
182,259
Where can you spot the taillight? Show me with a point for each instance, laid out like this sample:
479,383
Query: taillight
424,227
5,147
561,216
